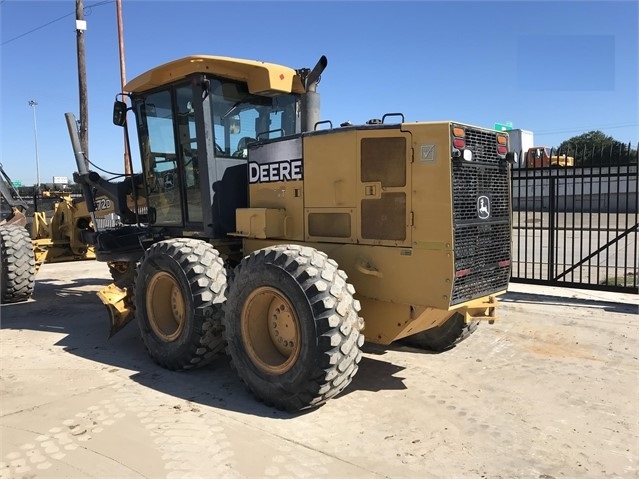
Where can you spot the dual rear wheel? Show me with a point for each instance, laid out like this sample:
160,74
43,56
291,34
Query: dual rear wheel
288,318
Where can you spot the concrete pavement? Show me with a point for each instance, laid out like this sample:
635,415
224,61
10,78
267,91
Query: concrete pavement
550,390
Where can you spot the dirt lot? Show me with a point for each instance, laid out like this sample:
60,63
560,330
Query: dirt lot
549,391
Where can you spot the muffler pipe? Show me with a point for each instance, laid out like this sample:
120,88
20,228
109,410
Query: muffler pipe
81,162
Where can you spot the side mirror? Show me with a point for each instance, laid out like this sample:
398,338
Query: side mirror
119,113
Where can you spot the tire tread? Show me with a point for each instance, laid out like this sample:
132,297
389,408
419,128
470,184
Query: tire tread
337,323
206,276
18,264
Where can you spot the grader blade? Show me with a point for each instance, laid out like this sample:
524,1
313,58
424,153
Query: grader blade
17,218
118,303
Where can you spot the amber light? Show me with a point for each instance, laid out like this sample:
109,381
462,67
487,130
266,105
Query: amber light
459,143
459,132
502,140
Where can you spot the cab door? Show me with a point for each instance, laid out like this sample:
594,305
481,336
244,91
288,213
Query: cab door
159,157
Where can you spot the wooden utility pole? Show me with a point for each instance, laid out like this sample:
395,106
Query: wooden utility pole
80,27
118,7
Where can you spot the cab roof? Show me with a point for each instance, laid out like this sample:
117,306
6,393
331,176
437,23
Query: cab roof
262,78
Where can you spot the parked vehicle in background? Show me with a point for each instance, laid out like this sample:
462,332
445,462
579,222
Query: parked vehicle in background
543,157
30,238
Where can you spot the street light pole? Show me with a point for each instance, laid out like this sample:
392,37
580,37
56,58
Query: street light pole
33,104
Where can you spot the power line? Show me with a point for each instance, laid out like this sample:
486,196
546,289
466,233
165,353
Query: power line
587,128
88,7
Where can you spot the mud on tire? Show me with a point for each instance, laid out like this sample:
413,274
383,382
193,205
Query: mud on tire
18,265
292,326
443,337
179,292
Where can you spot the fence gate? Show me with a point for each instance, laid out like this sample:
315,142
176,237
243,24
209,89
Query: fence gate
576,227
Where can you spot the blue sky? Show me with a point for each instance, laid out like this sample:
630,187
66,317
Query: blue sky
558,69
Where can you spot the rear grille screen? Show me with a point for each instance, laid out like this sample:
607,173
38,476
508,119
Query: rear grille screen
483,145
481,241
476,247
470,181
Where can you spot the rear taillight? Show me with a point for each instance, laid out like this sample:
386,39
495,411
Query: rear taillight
502,145
459,135
459,142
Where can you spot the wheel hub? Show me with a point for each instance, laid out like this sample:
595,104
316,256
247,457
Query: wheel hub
282,327
270,330
165,306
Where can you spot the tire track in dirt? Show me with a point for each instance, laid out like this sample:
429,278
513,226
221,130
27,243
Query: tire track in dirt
181,434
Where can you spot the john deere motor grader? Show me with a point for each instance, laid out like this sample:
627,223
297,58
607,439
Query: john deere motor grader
256,227
29,240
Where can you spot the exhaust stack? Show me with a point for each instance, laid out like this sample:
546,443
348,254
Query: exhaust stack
81,163
311,99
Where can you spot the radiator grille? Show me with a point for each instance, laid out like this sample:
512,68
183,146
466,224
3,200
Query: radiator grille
482,254
470,181
483,145
481,242
475,246
480,283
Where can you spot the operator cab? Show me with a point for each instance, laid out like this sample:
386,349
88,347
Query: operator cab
194,134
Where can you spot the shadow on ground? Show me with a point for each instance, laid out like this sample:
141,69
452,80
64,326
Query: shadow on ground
531,298
71,307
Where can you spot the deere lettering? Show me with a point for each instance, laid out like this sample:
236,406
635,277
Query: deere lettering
277,171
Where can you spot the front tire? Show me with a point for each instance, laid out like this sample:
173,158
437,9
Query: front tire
292,326
18,265
179,292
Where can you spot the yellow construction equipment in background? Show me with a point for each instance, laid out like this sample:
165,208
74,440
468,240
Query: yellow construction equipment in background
29,240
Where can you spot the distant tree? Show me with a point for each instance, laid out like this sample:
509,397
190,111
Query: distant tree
596,148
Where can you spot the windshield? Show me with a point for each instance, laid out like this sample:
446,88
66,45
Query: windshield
240,117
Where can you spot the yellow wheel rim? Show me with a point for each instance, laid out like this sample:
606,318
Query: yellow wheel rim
165,306
270,330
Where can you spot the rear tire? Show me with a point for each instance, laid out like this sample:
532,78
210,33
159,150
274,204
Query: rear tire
443,337
18,265
292,326
179,292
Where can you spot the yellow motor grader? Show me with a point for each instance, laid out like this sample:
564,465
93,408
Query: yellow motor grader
257,228
27,240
